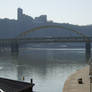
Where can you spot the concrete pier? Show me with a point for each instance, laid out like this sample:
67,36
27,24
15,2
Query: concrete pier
88,50
14,47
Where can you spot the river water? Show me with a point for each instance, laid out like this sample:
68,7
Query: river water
49,68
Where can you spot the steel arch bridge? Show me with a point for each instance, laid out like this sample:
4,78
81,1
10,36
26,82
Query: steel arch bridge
51,26
19,40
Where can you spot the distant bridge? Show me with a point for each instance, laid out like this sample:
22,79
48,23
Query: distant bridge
21,39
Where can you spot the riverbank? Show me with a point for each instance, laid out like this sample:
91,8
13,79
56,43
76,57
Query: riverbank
72,84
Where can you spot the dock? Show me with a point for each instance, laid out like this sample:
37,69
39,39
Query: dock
8,85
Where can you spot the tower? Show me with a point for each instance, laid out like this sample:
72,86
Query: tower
19,14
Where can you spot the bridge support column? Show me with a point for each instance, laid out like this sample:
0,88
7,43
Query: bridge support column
88,50
14,47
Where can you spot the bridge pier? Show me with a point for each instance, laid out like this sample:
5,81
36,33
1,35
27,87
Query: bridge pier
88,50
14,47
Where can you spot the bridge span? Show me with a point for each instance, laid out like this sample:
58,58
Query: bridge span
46,39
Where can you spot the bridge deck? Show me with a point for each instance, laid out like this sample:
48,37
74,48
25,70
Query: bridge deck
47,39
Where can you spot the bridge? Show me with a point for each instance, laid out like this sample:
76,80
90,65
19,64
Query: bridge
21,39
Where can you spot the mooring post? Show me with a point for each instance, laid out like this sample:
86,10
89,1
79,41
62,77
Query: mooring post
88,50
32,84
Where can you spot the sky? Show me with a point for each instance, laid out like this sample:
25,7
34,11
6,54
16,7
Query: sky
78,12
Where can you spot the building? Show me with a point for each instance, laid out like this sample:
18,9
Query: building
28,19
20,14
22,17
41,19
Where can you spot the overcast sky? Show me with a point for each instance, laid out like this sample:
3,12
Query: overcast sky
63,11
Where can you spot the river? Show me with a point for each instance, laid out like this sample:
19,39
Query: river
48,67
